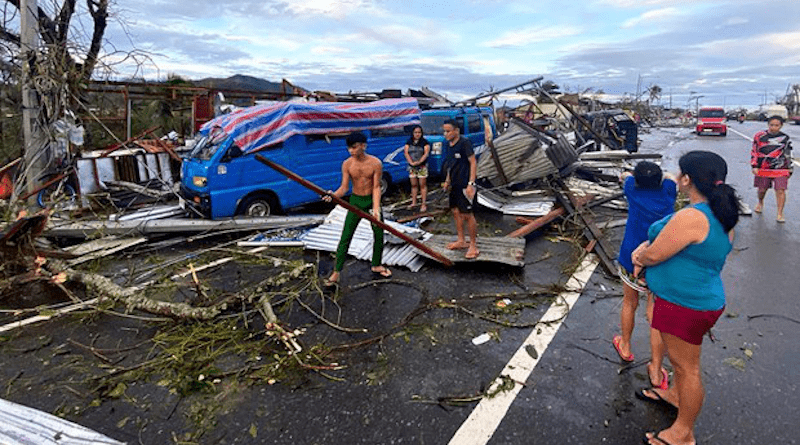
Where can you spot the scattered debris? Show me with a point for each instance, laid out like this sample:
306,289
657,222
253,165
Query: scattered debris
88,229
21,425
493,249
326,236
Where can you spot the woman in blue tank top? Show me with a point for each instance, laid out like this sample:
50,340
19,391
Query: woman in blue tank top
684,256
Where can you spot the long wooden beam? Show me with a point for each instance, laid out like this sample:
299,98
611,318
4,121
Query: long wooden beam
316,189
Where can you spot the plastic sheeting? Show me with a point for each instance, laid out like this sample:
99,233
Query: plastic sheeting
256,127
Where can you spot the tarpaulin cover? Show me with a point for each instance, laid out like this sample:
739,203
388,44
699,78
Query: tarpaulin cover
256,127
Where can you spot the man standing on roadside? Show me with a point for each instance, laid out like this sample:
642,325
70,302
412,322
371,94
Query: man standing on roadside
462,170
771,159
365,172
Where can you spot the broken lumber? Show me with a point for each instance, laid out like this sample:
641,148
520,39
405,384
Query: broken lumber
537,223
316,189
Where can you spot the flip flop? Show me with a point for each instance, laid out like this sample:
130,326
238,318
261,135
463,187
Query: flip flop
780,219
383,271
646,440
658,400
615,342
664,380
473,255
327,282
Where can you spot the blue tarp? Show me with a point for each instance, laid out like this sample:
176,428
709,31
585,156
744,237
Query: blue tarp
257,127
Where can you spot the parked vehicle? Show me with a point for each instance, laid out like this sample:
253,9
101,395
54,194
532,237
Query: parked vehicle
476,124
767,111
711,120
616,127
221,177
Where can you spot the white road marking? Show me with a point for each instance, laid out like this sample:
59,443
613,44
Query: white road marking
740,133
486,417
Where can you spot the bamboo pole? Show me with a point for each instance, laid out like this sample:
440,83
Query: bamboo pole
316,189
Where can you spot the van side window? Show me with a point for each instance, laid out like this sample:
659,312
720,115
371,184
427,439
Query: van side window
473,123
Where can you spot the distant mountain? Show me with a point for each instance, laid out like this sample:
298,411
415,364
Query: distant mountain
240,82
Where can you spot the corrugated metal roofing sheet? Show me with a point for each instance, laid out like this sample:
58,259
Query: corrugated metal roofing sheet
395,252
493,249
21,425
515,205
522,157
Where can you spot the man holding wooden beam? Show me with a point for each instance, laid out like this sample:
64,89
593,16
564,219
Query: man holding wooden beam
365,173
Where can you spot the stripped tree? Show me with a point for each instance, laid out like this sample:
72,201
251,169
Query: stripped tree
68,45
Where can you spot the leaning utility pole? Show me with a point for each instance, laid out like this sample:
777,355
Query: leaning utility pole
34,140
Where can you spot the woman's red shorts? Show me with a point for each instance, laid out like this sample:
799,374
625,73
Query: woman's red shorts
687,324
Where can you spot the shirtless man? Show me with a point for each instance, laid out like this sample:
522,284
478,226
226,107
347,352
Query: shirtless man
365,172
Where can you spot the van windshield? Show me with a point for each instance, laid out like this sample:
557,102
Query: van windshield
432,125
204,149
712,113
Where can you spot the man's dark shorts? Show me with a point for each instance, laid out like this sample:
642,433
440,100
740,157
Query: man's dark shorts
458,200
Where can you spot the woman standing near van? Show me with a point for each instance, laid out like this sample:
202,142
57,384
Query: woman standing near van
417,150
684,258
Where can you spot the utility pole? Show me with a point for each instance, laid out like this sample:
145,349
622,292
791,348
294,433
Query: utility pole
33,135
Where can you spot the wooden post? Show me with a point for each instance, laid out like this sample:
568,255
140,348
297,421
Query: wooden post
316,189
31,123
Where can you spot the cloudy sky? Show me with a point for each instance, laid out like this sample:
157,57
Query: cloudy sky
731,52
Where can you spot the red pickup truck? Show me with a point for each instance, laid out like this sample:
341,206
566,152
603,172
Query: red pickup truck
711,120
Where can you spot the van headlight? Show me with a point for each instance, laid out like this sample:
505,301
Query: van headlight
199,181
436,148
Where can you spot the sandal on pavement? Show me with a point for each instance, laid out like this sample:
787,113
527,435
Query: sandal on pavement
383,271
615,342
650,436
664,380
640,394
327,282
654,436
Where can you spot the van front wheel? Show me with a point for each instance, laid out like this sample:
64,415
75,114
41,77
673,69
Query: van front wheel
258,205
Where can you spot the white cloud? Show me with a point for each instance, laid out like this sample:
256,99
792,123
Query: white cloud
640,3
656,15
733,21
527,36
336,8
325,50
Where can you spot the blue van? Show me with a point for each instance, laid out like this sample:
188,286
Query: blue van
476,124
221,177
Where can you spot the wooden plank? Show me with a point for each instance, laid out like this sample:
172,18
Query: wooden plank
316,189
537,223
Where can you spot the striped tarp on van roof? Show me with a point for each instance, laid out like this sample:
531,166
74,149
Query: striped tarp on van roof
257,127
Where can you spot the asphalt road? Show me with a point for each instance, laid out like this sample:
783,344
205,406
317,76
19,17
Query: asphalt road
577,391
570,388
